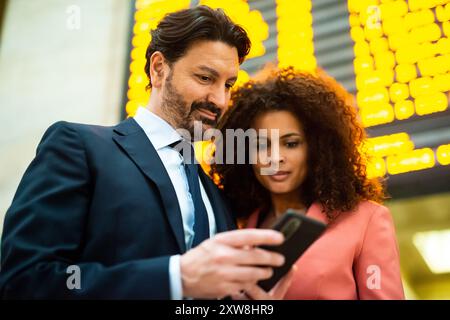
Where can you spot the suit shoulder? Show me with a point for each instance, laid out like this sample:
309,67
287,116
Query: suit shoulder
81,129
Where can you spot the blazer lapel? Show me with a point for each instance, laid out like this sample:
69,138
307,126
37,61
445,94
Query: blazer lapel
222,213
136,144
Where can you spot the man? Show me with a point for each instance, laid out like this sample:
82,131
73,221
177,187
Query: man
122,208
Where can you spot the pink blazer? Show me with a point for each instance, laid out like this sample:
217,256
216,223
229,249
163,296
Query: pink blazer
355,258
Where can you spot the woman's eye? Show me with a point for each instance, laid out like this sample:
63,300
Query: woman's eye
291,144
262,146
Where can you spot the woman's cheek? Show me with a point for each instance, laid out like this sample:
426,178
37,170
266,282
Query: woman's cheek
267,183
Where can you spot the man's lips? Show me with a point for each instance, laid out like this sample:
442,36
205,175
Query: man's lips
279,176
207,114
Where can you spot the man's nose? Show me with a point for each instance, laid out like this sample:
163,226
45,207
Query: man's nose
219,97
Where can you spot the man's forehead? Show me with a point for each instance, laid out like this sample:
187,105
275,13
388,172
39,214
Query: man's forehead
212,56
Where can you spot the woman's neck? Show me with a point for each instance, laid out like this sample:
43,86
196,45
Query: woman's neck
282,202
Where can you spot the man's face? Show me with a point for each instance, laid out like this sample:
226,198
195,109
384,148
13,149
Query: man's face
198,85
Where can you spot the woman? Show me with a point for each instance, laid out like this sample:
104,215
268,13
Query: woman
320,170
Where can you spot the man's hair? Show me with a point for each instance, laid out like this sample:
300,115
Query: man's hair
177,31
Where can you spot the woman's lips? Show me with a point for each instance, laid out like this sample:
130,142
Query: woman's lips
279,176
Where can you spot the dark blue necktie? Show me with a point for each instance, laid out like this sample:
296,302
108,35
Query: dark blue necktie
201,223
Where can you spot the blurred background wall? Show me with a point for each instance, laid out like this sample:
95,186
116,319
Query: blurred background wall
59,60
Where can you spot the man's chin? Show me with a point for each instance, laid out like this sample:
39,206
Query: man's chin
207,126
196,130
206,123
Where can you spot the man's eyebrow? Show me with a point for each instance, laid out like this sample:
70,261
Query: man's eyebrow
210,70
213,72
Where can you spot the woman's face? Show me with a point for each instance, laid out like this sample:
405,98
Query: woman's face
290,162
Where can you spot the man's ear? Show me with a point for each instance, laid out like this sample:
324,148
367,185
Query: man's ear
158,66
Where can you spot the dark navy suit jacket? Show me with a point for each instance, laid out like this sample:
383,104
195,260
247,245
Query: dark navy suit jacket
100,198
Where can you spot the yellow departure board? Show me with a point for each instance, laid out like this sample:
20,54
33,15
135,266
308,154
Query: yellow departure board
401,64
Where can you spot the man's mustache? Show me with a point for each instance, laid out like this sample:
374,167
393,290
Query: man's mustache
209,107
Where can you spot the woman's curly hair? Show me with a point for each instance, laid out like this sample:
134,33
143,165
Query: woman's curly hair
336,171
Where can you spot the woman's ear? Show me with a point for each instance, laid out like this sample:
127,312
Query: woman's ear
157,67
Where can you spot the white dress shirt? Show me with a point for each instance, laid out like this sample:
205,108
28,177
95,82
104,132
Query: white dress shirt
161,135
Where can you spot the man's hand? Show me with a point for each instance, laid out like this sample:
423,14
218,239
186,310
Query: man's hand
276,293
229,263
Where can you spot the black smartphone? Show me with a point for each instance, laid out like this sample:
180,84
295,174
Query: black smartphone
299,232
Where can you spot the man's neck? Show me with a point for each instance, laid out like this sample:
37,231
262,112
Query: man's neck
153,107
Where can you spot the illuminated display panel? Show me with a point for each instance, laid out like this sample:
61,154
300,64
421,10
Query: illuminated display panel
401,64
402,70
295,35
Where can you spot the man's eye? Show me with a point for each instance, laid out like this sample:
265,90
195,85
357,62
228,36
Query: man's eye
204,78
229,85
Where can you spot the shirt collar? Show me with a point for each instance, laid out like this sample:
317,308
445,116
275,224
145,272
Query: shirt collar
160,133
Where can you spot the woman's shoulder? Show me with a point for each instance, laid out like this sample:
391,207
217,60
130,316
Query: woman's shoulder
368,209
365,213
364,210
368,217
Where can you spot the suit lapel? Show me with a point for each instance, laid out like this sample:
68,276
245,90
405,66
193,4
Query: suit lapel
136,144
222,214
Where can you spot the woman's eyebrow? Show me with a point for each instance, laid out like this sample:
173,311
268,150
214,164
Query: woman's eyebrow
287,135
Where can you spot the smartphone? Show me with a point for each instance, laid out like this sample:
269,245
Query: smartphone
299,232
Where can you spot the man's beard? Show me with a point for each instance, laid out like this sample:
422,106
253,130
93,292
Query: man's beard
181,115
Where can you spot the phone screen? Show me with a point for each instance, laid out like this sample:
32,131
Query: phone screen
300,233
